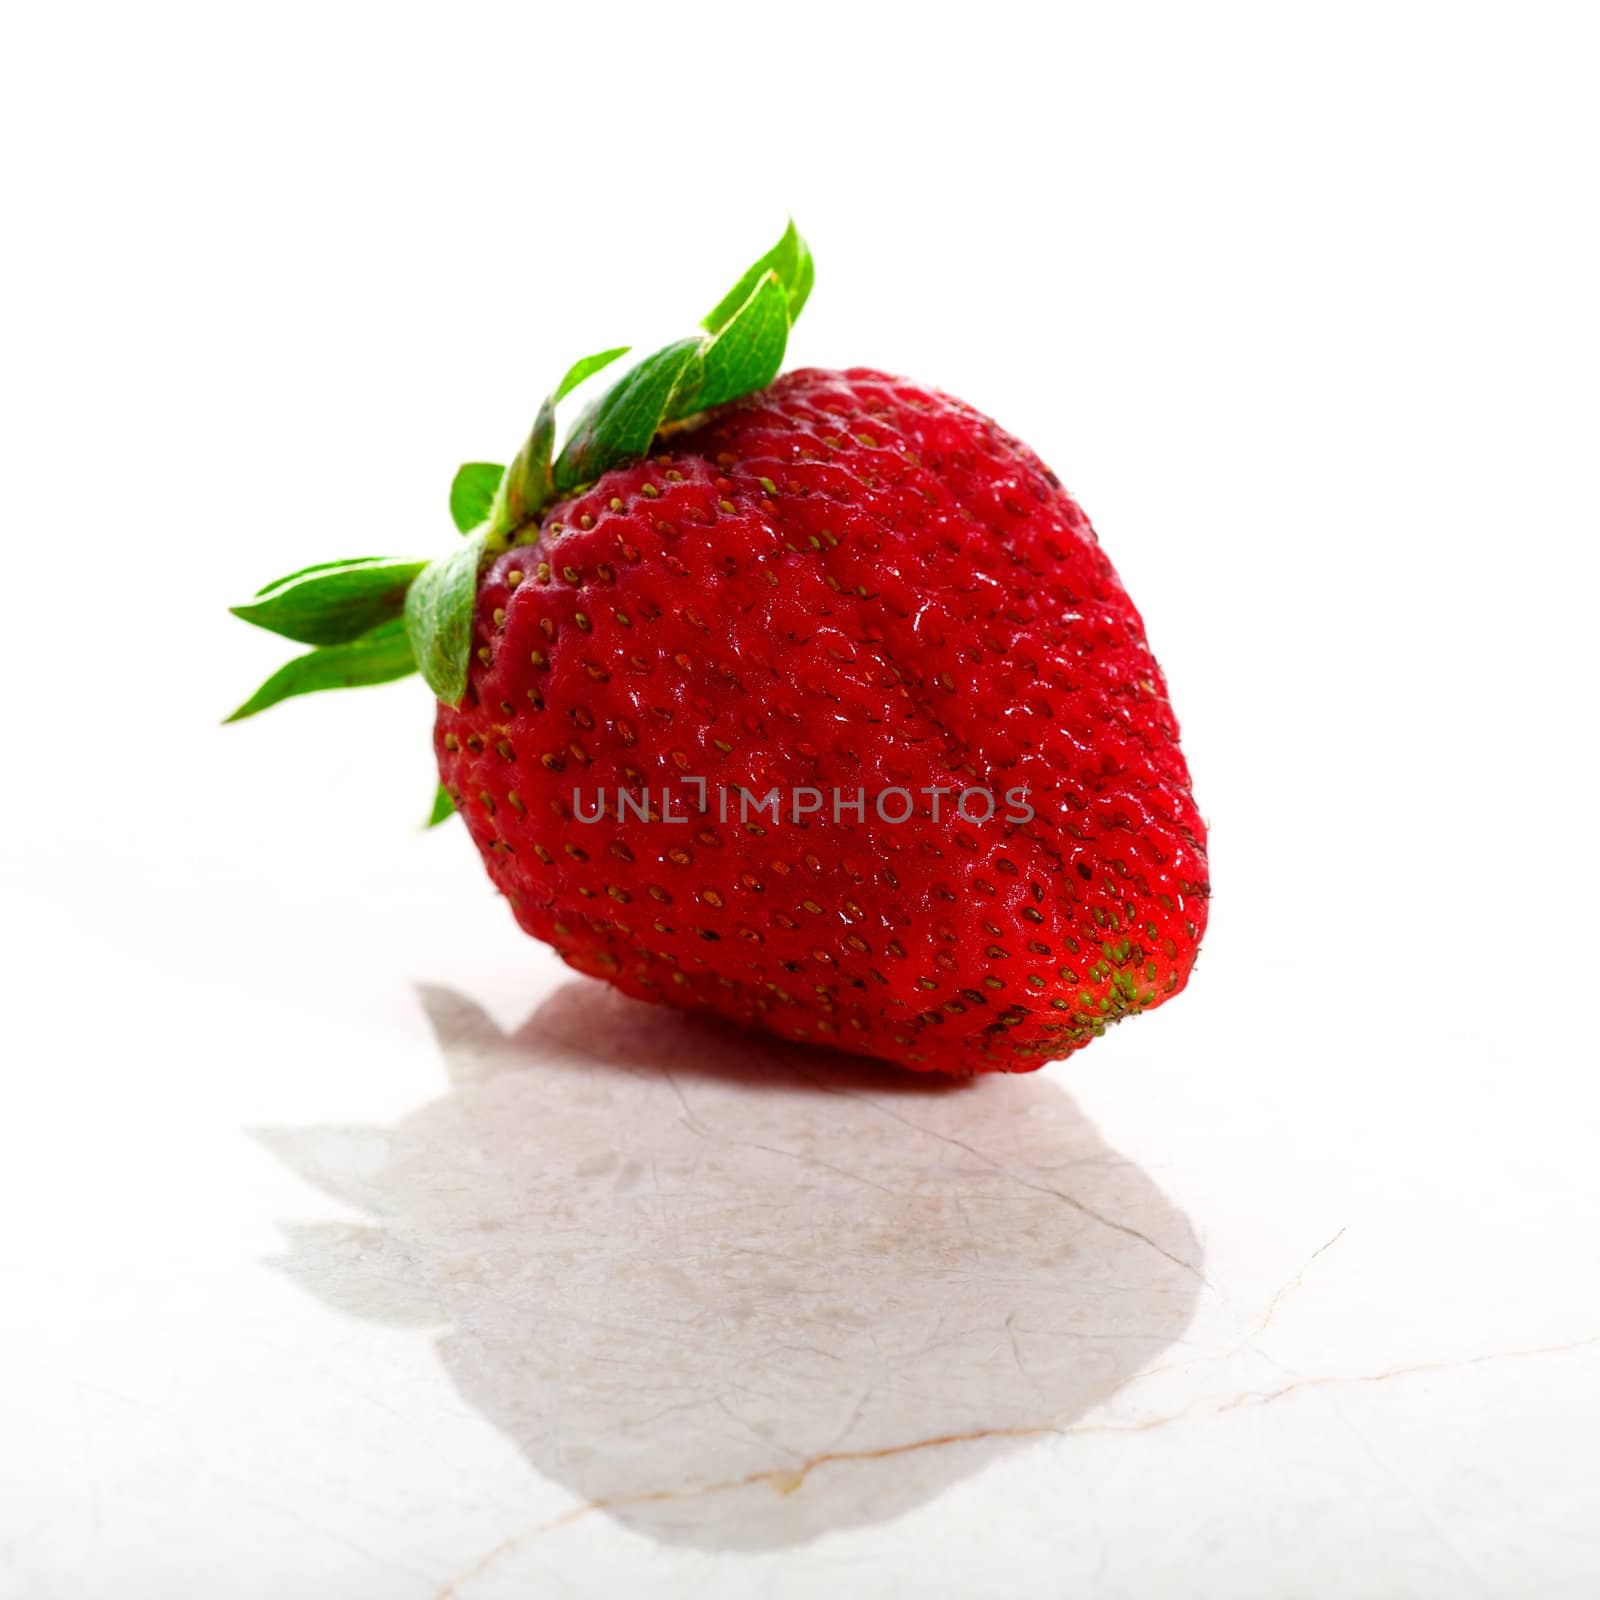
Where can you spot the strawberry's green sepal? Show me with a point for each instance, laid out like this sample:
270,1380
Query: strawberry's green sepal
789,261
740,350
377,619
743,355
528,484
620,425
443,807
334,603
380,656
472,493
438,618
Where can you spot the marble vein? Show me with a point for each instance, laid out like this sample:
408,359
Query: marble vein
788,1480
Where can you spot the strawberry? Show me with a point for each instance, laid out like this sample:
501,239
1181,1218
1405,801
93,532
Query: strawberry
813,703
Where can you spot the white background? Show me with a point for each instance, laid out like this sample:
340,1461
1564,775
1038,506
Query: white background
1299,301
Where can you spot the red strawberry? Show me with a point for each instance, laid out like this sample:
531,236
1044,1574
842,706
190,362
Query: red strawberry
829,715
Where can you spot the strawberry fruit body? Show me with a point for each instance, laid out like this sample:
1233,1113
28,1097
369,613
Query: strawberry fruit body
820,709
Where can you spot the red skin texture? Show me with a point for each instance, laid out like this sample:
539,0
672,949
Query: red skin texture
844,582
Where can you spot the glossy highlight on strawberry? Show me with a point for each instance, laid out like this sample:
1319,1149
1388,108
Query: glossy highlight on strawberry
841,585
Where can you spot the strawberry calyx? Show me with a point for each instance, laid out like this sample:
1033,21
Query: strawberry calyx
374,619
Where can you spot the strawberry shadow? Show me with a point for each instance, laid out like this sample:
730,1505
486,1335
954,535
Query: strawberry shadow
736,1294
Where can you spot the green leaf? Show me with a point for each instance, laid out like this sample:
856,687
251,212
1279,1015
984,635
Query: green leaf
622,422
321,566
333,603
377,657
374,619
438,617
798,284
790,259
443,807
579,370
745,355
528,486
472,493
749,333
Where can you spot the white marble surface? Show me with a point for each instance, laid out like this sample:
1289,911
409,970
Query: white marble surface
322,1280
